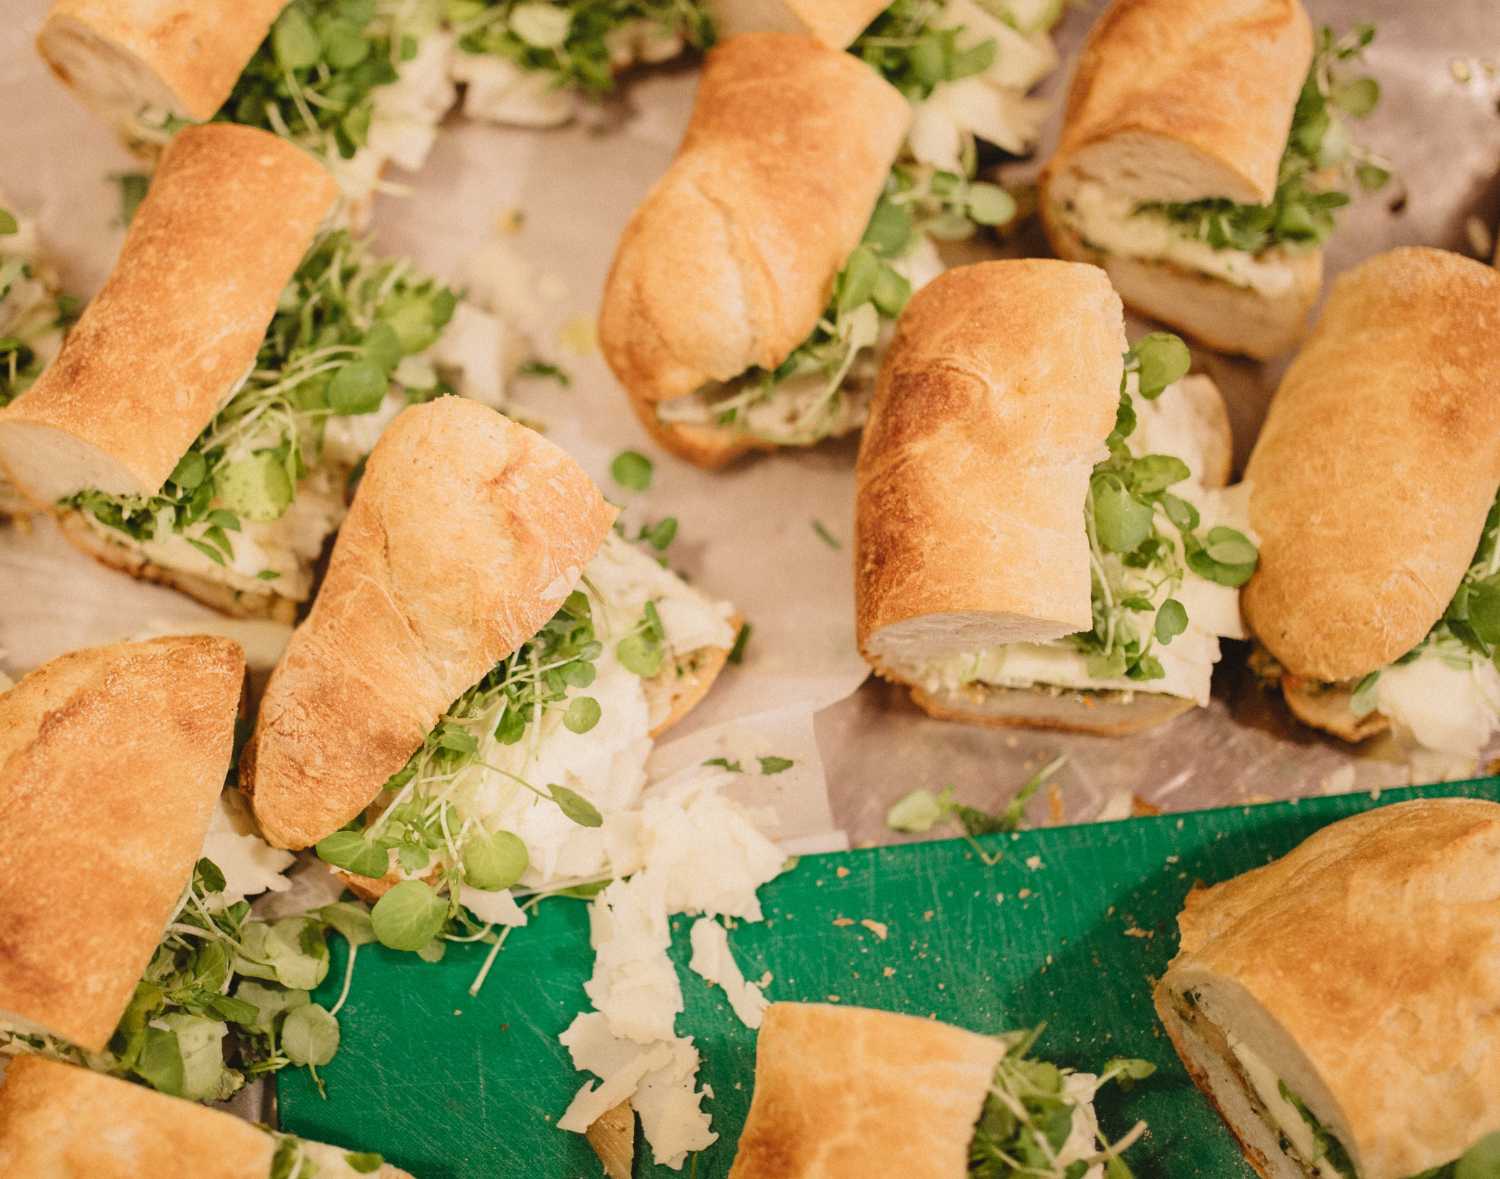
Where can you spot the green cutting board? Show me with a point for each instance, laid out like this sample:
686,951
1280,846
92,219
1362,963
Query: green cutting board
1070,928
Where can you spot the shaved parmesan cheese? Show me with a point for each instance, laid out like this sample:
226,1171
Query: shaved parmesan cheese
497,908
250,865
696,852
716,965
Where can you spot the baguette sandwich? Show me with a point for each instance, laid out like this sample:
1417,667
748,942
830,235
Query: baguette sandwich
359,83
535,65
1041,533
33,317
201,424
752,283
1337,1006
965,65
58,1121
846,1092
1203,155
1377,601
111,760
473,696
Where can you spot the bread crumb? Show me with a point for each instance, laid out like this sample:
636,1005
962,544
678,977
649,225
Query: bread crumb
878,928
841,871
843,921
1033,862
1137,931
927,916
833,998
1024,893
888,972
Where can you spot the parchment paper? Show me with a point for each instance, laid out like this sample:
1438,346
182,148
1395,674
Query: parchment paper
748,534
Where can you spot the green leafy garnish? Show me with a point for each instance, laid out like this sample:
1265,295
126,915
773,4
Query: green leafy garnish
1320,164
342,327
914,57
8,223
1135,566
920,811
1028,1118
1326,1148
133,186
632,470
572,39
225,997
32,317
314,79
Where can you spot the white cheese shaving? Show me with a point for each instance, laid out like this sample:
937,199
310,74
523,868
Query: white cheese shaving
1444,708
714,963
1108,219
697,853
496,908
250,865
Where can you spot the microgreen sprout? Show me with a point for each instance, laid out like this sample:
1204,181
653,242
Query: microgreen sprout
315,77
910,54
920,811
1320,164
32,316
342,328
225,998
1028,1119
1135,566
1469,629
579,42
429,830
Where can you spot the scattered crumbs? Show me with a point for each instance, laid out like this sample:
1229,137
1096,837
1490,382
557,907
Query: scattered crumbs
1049,959
878,928
1024,893
927,916
841,871
579,335
843,921
764,980
817,884
1375,794
1109,912
505,1027
942,986
888,972
833,998
1462,71
1179,824
456,1011
999,898
1137,931
1033,862
1174,859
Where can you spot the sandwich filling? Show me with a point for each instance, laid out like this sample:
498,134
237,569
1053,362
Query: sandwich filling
226,997
1253,247
359,83
1442,697
33,318
1164,589
533,64
1039,1120
526,780
354,339
1298,1132
966,67
297,1158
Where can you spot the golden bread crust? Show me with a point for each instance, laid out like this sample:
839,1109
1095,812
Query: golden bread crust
847,1093
1377,465
111,760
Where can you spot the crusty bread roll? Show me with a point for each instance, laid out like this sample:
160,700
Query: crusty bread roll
229,216
1377,465
992,408
1185,100
180,57
466,534
845,1092
111,760
836,23
1363,970
729,262
59,1121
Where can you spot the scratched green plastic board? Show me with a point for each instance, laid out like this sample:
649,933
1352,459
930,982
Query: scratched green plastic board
453,1087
